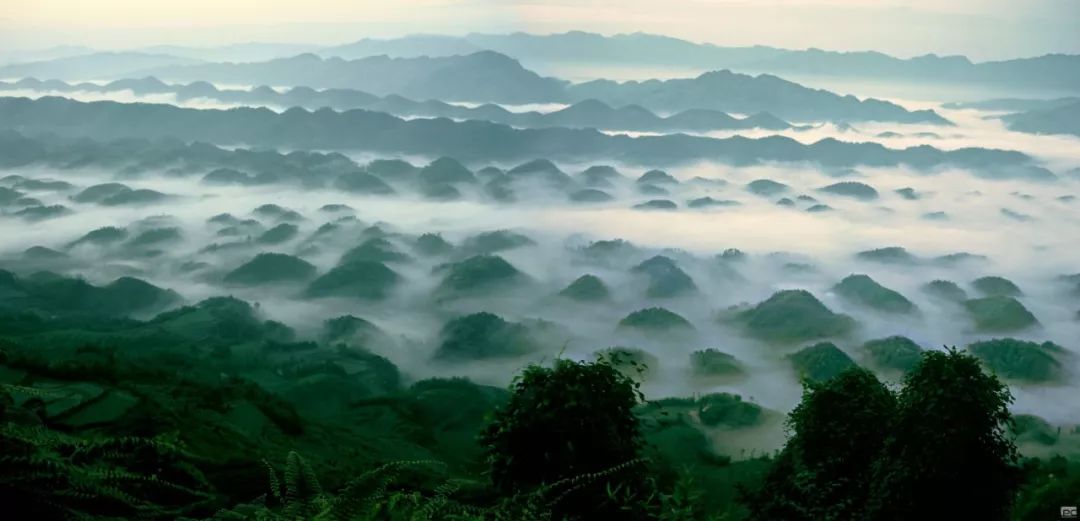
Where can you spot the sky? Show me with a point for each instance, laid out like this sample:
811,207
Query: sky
980,29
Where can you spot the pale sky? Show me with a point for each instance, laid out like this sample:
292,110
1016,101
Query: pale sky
981,29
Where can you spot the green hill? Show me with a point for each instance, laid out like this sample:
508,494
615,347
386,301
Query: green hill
820,362
793,316
999,314
895,353
655,320
586,288
861,289
481,336
1021,360
362,279
268,268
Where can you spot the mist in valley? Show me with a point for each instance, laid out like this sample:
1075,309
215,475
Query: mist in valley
742,223
1031,252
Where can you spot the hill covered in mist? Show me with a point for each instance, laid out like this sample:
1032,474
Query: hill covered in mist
584,114
428,278
1061,117
372,131
490,77
1049,72
740,93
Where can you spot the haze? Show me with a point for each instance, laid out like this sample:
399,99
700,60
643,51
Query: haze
979,29
710,250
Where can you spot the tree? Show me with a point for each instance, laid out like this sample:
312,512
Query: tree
1049,485
949,455
569,422
835,435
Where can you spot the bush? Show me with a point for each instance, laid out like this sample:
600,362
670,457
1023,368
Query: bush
567,422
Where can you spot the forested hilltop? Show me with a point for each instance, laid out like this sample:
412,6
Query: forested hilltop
211,412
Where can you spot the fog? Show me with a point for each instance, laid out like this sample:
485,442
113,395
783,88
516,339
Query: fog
1029,252
971,128
798,236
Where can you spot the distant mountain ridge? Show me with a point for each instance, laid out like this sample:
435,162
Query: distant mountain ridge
92,66
1061,119
1013,104
1034,116
584,114
1058,72
469,140
1051,71
481,76
238,52
10,56
732,92
488,76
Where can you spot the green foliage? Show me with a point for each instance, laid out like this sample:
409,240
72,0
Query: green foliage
300,491
896,353
820,362
391,168
728,410
994,286
362,279
999,314
56,294
171,418
609,250
219,319
101,236
440,192
98,192
267,268
477,274
1020,359
432,244
376,249
389,492
1048,486
47,475
281,233
949,454
634,363
351,330
277,212
483,335
656,320
665,277
154,237
1027,428
564,422
836,434
864,290
793,316
714,363
452,412
494,241
445,170
586,288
